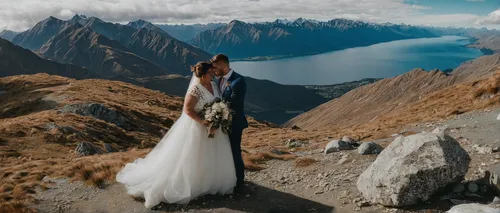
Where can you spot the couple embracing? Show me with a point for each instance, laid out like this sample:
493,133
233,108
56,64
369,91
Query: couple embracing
186,163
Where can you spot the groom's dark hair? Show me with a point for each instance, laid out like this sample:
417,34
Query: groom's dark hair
220,58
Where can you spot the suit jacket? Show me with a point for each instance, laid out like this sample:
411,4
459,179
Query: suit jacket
234,93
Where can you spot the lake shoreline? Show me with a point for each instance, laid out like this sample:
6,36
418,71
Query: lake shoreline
382,60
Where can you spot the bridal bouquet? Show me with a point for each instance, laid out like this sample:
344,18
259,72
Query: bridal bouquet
218,115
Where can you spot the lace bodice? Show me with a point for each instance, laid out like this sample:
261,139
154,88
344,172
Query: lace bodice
203,95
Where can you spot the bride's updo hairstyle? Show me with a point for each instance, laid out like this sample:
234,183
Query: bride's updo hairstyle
201,68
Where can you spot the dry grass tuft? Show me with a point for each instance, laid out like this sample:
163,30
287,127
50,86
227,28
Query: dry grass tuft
253,161
16,207
7,187
304,162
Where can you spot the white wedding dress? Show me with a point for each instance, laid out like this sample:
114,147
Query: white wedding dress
186,163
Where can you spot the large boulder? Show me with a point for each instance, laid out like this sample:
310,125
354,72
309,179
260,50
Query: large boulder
473,208
413,168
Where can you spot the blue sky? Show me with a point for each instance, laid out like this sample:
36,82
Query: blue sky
23,14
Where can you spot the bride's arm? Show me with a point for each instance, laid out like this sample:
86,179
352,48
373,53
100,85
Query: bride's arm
189,104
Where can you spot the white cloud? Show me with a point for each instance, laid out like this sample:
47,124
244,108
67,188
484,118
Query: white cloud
492,19
23,14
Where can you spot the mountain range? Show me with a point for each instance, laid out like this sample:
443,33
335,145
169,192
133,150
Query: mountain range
142,51
81,46
280,38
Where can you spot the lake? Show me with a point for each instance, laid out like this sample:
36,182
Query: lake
376,61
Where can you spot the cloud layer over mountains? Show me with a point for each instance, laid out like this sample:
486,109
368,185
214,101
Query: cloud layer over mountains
20,15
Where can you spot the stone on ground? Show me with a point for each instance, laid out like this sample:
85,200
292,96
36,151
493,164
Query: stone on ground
473,208
337,146
413,168
369,148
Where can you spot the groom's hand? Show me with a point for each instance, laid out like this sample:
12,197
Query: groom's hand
206,123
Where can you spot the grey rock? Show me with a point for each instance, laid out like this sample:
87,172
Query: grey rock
472,187
51,126
98,111
109,148
473,208
336,146
86,148
293,143
498,118
413,168
63,129
369,148
496,200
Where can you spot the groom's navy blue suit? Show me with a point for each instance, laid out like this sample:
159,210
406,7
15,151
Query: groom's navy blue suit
234,93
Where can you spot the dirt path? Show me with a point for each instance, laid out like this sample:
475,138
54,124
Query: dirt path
329,185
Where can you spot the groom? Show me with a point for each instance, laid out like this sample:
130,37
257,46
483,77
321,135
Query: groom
233,88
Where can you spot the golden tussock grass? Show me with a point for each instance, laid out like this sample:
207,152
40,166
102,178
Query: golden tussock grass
16,207
254,161
20,180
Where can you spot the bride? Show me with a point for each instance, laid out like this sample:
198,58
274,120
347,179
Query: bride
186,163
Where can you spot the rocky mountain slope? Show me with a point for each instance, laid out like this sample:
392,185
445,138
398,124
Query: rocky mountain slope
8,35
301,37
52,121
35,37
81,46
49,123
46,119
156,46
152,44
187,32
15,60
372,103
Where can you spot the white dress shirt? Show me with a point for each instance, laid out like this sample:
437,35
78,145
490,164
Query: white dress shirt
224,80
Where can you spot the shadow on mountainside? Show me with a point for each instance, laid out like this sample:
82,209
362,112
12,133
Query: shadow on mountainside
259,199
